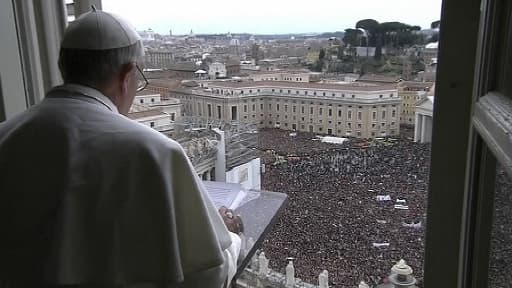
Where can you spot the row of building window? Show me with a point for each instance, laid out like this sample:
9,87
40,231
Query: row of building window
297,92
320,111
285,100
142,101
311,111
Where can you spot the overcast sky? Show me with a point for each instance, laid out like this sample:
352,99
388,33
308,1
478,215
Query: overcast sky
269,16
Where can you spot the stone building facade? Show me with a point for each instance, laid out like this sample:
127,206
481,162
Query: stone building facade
159,59
411,92
288,76
363,111
424,120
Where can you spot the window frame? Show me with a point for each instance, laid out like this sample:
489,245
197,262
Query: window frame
491,142
449,149
462,153
465,148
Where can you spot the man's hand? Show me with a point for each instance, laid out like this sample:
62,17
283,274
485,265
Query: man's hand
232,221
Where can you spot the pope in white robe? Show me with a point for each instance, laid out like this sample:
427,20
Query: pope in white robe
91,198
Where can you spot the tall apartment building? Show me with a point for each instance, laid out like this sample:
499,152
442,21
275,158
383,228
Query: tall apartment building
342,110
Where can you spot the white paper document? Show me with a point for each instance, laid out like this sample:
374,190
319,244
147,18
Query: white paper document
229,195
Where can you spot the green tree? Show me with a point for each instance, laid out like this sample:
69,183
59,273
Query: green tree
389,34
321,55
397,34
352,37
435,25
371,27
373,34
339,52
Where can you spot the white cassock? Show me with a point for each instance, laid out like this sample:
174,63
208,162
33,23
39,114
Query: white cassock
90,196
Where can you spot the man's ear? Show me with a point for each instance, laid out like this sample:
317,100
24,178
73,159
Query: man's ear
125,76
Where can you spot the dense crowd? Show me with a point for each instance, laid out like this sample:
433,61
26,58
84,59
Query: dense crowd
355,208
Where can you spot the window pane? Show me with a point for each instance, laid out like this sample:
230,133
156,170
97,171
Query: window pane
504,52
500,258
335,219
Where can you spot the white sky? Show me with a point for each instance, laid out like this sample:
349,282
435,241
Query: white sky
269,16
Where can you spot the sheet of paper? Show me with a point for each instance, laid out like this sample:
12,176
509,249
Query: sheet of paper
225,194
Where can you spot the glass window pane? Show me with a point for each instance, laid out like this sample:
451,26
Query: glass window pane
355,208
500,258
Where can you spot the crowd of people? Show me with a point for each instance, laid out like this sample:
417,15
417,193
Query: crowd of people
354,209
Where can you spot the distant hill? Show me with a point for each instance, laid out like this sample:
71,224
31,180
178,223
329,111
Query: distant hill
337,34
245,36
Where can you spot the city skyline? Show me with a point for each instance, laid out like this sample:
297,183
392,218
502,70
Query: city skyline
269,17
